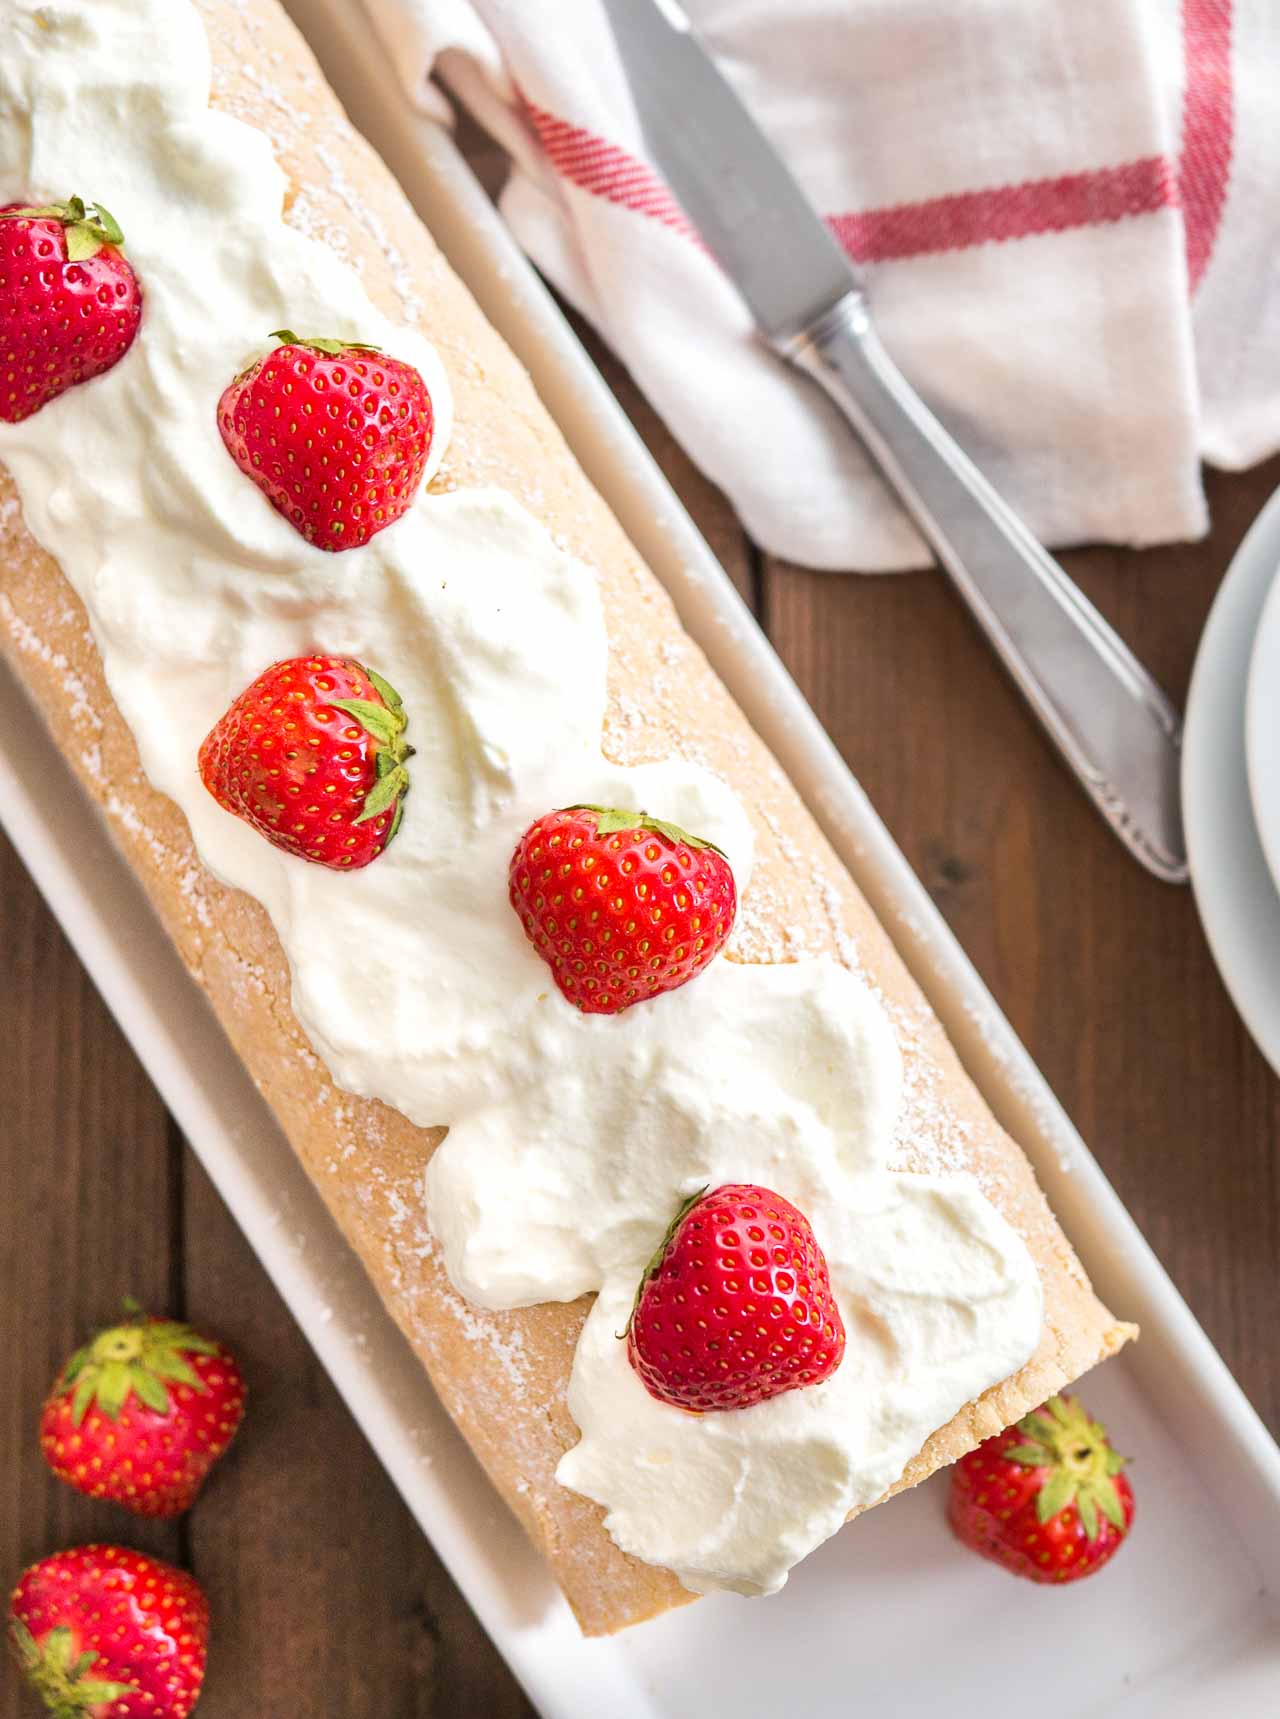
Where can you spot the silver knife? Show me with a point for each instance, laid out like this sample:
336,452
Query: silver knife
1108,718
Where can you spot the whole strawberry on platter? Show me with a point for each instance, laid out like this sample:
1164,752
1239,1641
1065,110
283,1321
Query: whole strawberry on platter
1046,1499
736,1306
110,1634
70,304
141,1414
621,906
312,754
335,434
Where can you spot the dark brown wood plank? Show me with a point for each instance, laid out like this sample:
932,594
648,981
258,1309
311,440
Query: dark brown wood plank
86,1216
1103,971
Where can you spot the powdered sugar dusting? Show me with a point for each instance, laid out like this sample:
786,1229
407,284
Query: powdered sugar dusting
401,275
31,644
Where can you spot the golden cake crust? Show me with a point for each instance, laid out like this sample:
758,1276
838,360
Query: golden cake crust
502,1376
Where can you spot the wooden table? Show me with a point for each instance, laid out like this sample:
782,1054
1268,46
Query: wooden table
328,1603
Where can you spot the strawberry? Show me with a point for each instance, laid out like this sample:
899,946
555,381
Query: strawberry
621,906
1046,1498
70,304
313,755
736,1306
334,434
109,1634
141,1414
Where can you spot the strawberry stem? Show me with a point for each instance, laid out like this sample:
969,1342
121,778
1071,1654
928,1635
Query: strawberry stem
1079,1462
612,819
59,1675
86,234
321,343
138,1358
385,723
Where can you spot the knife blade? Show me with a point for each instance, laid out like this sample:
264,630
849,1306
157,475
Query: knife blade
730,180
1110,721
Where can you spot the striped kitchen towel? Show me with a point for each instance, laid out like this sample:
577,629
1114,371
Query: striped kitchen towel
1065,215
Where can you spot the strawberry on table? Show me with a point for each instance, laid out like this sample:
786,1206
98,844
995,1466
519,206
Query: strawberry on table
70,304
141,1414
313,755
621,906
333,432
1047,1498
736,1306
110,1634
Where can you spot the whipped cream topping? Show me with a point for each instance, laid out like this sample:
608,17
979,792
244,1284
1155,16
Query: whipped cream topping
572,1138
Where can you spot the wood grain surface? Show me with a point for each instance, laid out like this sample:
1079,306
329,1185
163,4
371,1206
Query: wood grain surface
328,1603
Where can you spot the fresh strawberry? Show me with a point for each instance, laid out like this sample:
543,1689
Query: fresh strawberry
621,906
736,1306
70,304
108,1634
334,434
1046,1498
141,1414
313,755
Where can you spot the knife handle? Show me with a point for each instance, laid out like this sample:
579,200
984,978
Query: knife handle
1108,718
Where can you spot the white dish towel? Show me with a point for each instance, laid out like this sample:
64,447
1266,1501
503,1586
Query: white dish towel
1067,216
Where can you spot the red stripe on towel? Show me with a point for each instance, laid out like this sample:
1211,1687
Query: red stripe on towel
1208,127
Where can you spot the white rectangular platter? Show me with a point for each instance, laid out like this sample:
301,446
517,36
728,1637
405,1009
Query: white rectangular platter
890,1617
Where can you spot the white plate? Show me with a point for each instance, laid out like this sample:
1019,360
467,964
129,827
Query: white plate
1262,720
890,1617
1235,891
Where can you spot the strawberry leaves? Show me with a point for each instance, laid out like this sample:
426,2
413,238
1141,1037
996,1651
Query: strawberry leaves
86,233
385,723
610,820
321,343
1056,1493
1029,1455
59,1674
386,692
140,1358
393,780
1082,1465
